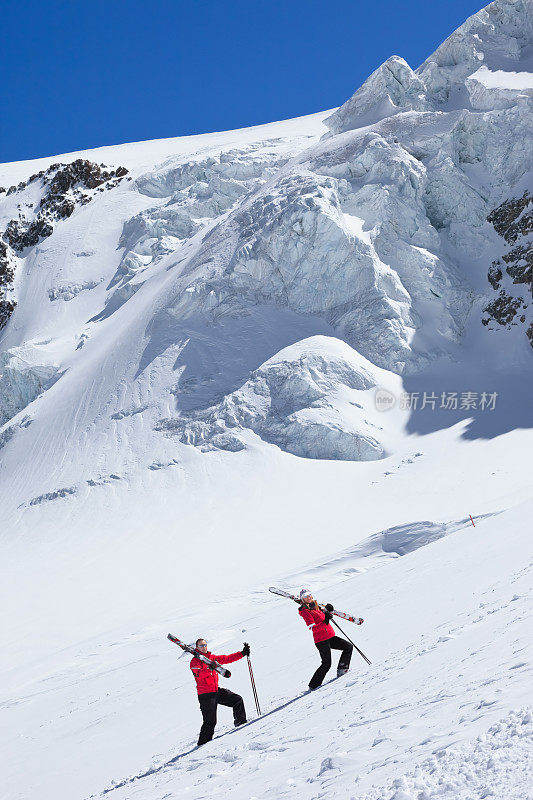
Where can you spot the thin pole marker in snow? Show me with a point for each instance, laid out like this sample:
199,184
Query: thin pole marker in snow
470,515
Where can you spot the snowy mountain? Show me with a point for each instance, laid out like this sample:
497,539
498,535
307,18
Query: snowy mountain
296,354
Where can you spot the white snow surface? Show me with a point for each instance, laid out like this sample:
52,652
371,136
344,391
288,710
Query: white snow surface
501,79
192,395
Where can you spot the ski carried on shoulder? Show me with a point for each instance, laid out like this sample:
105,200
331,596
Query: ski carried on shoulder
282,593
194,652
356,620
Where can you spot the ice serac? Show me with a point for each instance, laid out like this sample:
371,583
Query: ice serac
454,76
343,232
312,399
189,196
497,37
498,89
25,372
392,88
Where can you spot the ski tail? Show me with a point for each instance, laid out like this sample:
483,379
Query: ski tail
356,620
177,641
282,593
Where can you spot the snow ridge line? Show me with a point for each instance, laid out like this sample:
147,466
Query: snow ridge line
372,551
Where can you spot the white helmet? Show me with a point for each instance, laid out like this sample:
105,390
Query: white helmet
305,593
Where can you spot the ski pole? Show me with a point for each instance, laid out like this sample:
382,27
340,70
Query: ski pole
354,644
253,686
252,681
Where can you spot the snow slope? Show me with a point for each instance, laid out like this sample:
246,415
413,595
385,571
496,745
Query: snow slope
209,348
446,627
444,675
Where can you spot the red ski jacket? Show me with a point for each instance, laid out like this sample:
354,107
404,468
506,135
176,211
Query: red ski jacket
315,620
207,678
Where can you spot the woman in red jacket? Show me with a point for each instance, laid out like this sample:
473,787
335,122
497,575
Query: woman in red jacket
324,638
209,694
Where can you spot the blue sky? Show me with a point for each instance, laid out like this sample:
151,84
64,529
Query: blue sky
81,74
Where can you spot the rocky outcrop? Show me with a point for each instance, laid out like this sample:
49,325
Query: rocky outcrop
503,310
67,491
7,274
512,274
513,218
519,262
79,174
6,309
20,234
64,187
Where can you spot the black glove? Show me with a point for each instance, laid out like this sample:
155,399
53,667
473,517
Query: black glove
329,607
246,649
327,617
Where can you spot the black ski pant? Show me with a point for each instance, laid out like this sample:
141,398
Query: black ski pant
208,704
325,648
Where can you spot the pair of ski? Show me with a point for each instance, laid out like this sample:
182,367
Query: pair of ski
356,620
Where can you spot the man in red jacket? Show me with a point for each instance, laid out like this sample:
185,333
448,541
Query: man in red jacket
324,638
209,695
